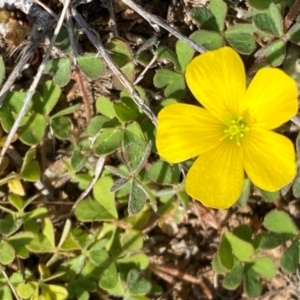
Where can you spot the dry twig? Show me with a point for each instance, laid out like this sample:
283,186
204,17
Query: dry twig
113,67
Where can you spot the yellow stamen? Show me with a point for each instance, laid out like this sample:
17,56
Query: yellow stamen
235,129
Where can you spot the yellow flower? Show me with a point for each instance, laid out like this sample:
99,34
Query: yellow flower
232,133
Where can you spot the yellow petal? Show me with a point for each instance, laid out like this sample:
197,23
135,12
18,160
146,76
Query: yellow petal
271,98
216,177
269,159
185,131
217,80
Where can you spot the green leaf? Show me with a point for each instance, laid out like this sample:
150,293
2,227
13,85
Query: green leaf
53,292
109,278
126,110
120,51
264,266
225,256
173,82
66,111
44,240
219,10
78,161
105,107
265,23
102,194
99,256
133,134
252,287
5,293
132,240
137,284
269,196
205,18
184,53
11,106
89,210
290,259
136,155
51,94
91,65
61,127
294,34
16,200
241,41
216,266
165,53
128,71
208,39
117,290
243,199
275,14
259,4
61,70
164,173
7,253
243,232
108,141
34,130
136,260
96,124
280,222
273,54
19,240
296,187
26,289
137,198
9,224
233,278
32,172
273,240
241,249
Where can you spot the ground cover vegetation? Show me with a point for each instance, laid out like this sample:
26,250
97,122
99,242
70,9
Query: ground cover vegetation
149,149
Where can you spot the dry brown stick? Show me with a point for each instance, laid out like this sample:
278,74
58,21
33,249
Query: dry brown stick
85,97
113,67
291,15
152,19
112,17
176,273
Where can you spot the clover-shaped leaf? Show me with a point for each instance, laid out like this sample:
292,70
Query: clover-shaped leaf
290,259
259,4
44,103
173,82
205,18
7,253
280,222
34,130
240,38
61,127
208,39
91,65
233,278
219,10
137,284
61,70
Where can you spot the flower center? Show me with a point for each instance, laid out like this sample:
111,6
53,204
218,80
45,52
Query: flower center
235,129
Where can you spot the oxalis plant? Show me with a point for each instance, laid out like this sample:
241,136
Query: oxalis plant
93,210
